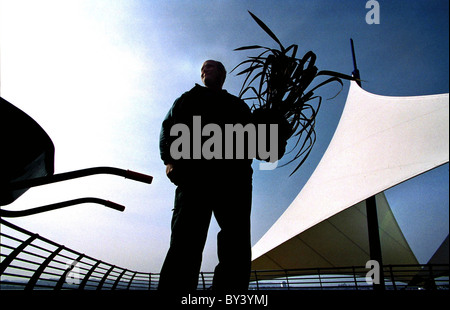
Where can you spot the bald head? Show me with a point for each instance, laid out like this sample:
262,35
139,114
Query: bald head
213,74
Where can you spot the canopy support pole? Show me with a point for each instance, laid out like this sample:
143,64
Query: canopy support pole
374,239
371,210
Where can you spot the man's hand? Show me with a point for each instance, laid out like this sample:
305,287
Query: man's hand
171,173
169,168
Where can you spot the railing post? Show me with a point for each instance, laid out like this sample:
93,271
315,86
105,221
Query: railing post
320,278
131,280
40,270
105,276
256,279
391,273
88,274
287,279
8,260
63,276
118,280
149,281
430,284
203,280
354,277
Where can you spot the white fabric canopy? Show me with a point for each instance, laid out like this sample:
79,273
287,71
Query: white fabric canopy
380,142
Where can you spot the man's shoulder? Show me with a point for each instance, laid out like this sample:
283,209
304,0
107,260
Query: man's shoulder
199,91
189,93
192,93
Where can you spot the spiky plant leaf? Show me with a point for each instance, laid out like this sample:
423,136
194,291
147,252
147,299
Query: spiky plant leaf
284,88
266,29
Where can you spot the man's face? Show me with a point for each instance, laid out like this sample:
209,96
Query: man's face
210,74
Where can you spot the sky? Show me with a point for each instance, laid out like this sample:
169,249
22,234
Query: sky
99,76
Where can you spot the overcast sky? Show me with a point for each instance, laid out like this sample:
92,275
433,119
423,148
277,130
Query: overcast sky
99,77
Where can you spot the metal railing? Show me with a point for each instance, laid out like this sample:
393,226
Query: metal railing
397,277
32,262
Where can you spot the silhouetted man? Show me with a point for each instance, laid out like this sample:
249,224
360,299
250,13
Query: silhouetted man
222,187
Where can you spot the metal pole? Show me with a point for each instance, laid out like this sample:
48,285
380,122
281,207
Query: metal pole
374,239
371,207
355,70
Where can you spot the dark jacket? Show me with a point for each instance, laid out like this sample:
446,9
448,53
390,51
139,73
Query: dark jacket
214,108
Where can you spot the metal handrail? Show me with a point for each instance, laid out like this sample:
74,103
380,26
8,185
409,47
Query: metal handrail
59,205
28,183
31,262
128,174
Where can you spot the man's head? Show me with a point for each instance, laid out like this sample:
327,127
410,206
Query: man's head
213,74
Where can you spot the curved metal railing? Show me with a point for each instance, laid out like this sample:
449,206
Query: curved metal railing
32,262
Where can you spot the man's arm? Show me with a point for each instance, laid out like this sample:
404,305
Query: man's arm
165,140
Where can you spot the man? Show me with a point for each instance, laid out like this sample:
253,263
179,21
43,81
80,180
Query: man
218,186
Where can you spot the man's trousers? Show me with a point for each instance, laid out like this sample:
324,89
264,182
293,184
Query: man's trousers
194,206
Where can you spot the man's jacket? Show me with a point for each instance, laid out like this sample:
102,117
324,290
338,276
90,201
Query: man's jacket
220,108
214,107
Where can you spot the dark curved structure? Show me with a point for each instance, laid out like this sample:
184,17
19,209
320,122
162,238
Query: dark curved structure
27,160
